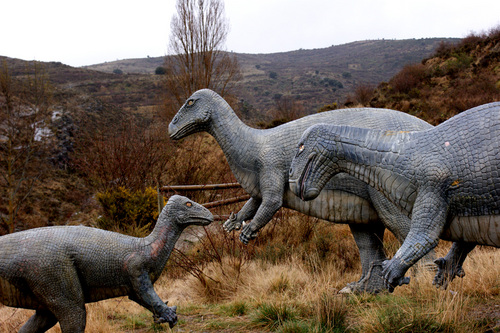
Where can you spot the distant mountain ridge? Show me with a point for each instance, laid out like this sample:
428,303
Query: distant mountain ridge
312,77
309,78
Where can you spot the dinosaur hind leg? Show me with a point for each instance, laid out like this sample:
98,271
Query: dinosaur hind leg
74,321
40,322
369,239
61,293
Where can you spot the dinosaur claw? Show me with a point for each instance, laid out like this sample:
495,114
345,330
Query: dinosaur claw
169,315
232,223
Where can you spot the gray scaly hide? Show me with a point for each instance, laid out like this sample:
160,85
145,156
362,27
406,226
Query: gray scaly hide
446,178
260,160
56,270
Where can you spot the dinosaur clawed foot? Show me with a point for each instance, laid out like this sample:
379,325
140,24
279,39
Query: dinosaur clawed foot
446,273
393,272
248,233
169,315
372,282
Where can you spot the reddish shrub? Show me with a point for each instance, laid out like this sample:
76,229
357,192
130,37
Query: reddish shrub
408,78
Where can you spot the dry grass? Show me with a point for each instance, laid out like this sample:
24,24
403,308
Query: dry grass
290,284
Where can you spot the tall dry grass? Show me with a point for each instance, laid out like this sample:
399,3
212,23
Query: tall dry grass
297,292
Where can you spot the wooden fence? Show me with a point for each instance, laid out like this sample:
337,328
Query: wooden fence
210,187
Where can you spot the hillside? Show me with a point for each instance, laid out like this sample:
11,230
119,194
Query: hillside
454,79
312,78
93,102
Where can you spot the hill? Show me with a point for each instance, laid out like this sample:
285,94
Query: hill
455,78
312,78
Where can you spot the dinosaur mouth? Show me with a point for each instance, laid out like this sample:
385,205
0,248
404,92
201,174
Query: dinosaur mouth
177,133
311,192
198,220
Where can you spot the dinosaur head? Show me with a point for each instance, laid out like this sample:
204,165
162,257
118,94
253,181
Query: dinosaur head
186,212
194,116
313,164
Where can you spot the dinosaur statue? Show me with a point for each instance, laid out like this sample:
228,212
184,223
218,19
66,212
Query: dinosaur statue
56,270
446,178
260,160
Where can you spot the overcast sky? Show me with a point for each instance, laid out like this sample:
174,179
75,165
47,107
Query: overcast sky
87,32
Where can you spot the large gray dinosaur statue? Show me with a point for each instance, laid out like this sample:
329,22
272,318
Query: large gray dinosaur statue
446,178
260,160
56,270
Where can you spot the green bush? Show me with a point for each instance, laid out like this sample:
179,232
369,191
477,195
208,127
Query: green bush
160,70
272,316
128,211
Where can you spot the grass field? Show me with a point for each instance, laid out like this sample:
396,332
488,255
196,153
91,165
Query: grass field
282,284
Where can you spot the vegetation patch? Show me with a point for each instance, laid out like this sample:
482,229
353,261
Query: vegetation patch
271,315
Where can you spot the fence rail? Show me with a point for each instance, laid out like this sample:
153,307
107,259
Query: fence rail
199,187
210,187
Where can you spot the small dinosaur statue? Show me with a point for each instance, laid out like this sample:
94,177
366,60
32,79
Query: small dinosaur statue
56,270
260,160
447,179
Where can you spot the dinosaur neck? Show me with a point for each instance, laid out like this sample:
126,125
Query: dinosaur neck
376,157
237,141
161,242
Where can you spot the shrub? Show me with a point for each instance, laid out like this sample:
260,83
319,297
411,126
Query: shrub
363,93
408,78
160,70
132,212
328,107
458,63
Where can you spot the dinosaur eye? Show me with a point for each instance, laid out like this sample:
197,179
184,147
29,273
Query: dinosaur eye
190,102
189,204
301,148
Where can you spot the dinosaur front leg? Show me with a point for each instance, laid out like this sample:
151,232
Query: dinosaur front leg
272,188
428,220
264,214
368,238
451,265
145,295
246,213
41,321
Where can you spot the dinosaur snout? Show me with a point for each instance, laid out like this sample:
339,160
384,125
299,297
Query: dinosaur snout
172,128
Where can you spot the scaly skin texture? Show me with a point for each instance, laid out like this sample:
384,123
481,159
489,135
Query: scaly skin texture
260,160
56,270
446,178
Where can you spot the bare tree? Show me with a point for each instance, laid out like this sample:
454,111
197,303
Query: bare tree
25,108
196,57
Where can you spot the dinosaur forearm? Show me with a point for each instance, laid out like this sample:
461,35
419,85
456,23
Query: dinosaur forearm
264,214
145,295
246,213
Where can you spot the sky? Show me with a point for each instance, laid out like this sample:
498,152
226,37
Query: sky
80,33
